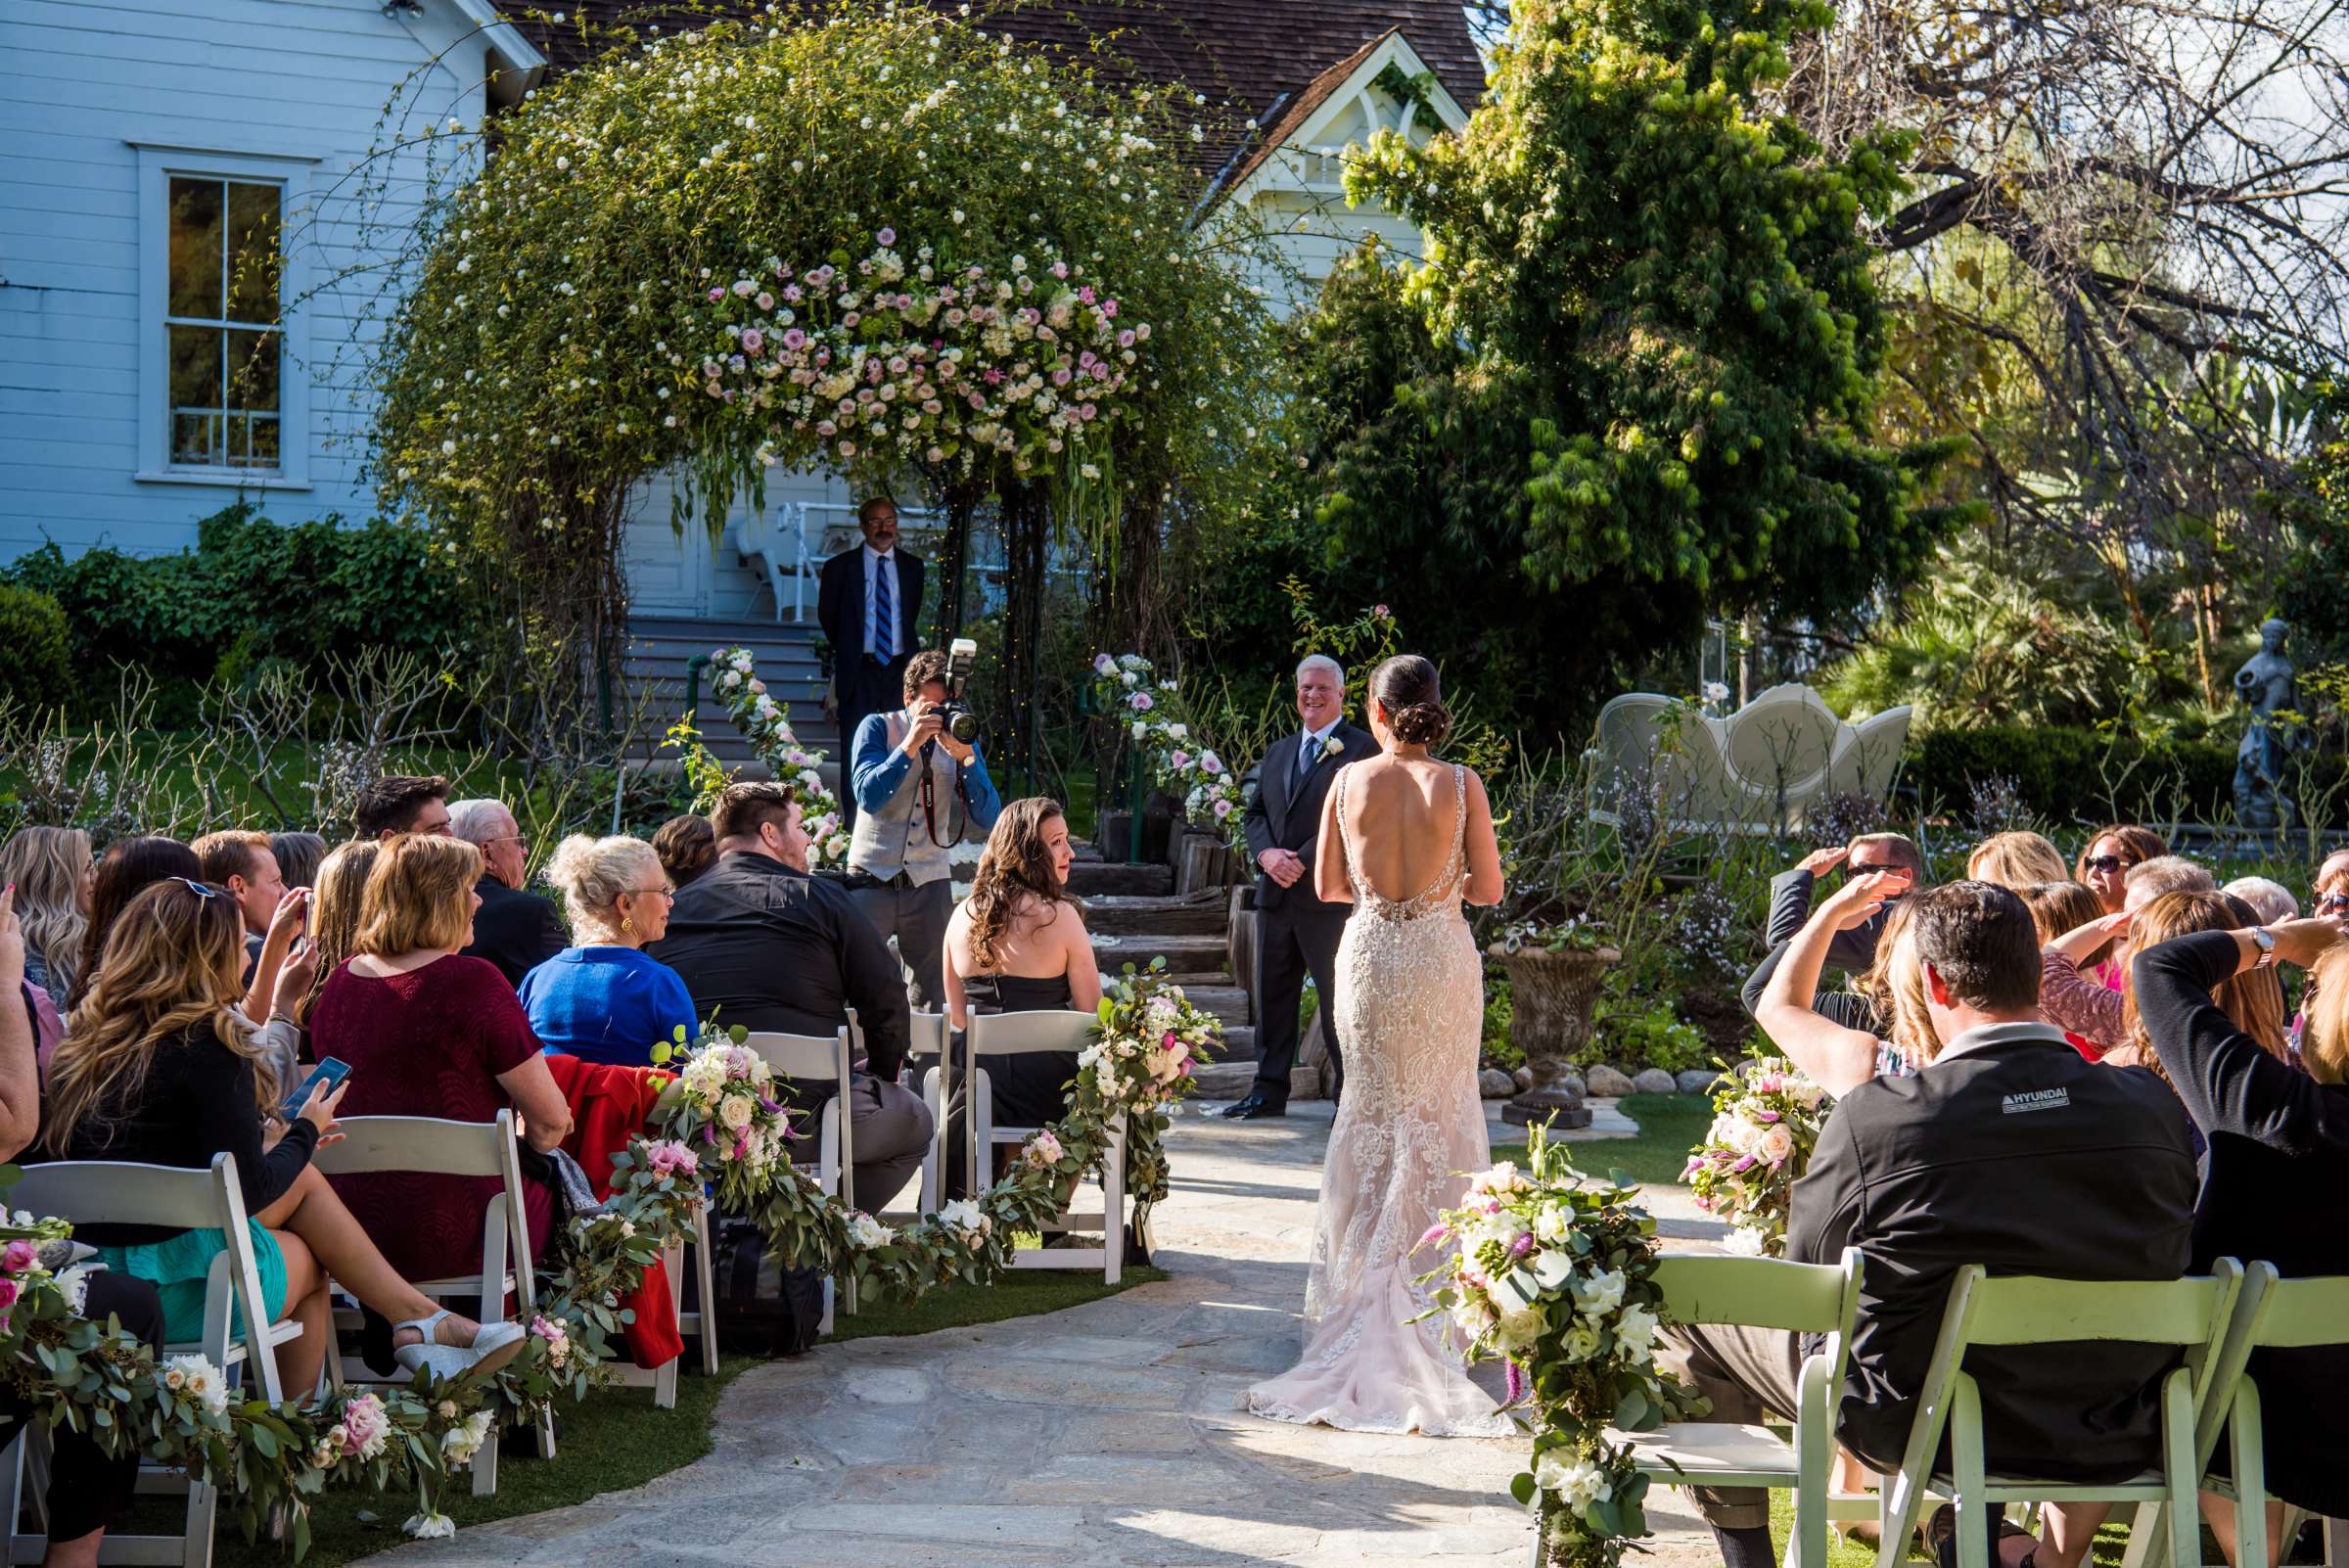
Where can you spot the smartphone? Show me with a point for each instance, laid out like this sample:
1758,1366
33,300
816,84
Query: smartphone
331,1072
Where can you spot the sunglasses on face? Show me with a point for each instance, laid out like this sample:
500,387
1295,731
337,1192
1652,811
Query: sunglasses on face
2329,902
2108,863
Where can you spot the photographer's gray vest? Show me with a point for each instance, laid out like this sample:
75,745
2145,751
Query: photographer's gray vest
895,838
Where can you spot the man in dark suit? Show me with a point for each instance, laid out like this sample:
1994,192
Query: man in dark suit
516,931
1297,934
868,602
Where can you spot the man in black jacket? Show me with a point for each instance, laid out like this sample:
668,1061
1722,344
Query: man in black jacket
868,600
515,930
1297,934
2007,1150
1854,950
759,941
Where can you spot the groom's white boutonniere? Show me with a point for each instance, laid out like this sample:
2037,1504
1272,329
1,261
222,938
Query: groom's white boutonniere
1332,745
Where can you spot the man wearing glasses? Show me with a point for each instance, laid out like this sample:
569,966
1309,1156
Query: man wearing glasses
515,930
1791,894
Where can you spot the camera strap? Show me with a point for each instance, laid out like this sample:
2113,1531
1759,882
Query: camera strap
928,798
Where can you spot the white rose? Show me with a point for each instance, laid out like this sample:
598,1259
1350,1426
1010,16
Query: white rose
1518,1330
1574,1482
1600,1292
1635,1332
736,1110
1552,1224
1745,1241
1582,1340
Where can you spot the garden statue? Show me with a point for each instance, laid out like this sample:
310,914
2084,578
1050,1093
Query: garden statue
2265,684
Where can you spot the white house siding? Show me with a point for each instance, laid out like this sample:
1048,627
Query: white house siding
83,84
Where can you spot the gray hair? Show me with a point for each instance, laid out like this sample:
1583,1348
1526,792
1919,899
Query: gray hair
1337,672
2168,873
2273,900
477,822
593,873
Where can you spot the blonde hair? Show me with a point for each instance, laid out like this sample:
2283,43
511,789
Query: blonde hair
2058,907
2017,861
334,902
2324,1042
593,873
419,896
172,963
1913,1028
231,853
2335,868
46,864
2252,997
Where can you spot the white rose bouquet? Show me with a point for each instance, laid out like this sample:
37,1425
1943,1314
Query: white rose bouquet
723,1111
1552,1271
1766,1122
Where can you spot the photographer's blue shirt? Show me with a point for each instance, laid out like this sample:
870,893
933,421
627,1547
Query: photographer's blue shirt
877,770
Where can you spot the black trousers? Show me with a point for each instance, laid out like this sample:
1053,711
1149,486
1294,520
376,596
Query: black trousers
861,686
87,1488
1295,938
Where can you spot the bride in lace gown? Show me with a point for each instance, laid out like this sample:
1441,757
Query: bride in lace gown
1410,1005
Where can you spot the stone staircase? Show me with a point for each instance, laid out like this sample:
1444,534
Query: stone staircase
1135,915
660,649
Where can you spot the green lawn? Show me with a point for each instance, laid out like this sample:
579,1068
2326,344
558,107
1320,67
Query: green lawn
1670,1124
614,1439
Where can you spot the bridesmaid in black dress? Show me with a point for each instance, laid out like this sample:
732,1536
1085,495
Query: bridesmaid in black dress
1018,945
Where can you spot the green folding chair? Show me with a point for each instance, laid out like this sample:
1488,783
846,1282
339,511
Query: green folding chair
2275,1315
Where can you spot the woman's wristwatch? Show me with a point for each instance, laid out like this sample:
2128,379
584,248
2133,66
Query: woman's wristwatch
2265,941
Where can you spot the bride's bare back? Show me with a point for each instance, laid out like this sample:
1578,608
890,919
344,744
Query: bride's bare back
1400,814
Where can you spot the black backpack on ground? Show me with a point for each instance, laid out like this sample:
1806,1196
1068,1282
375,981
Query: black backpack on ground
762,1308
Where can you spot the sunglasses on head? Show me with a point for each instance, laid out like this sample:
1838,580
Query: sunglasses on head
2107,863
201,890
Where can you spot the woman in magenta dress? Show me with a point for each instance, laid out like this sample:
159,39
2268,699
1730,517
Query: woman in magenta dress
429,1032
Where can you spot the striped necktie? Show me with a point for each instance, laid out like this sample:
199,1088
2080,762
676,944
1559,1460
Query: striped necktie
885,619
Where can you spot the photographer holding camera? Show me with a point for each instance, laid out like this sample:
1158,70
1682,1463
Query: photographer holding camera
920,783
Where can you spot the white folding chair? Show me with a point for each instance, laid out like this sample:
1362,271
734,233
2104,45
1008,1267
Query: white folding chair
933,1034
372,1145
807,1059
97,1192
700,1325
1762,1293
1049,1029
2274,1314
2192,1315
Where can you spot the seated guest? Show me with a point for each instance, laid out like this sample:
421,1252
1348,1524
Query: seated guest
2059,909
687,847
159,1070
2271,901
1929,1173
2148,880
604,999
2105,863
54,876
1018,945
515,930
759,941
2331,885
429,1032
1790,896
298,856
243,862
88,1489
2072,1000
131,866
2015,861
336,900
2253,1000
2279,1162
402,803
1842,1040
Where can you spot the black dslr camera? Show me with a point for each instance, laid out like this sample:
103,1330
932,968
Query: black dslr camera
961,654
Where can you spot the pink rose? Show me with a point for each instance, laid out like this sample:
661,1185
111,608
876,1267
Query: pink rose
886,236
17,1255
752,341
716,294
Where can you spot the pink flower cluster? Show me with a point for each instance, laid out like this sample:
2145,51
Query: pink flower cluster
18,1257
668,1156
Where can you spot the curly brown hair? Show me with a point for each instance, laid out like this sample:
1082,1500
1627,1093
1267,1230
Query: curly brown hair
1015,877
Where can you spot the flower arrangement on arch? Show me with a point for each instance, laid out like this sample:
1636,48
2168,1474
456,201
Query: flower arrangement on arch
766,724
1766,1116
1552,1271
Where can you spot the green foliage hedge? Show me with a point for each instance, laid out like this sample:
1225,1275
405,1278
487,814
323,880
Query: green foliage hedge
250,590
2075,776
33,646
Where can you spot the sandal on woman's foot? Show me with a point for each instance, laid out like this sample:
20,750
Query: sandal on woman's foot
493,1345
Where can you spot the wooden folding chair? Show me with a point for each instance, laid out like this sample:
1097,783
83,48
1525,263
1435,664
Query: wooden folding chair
97,1192
1047,1030
807,1059
372,1145
2192,1315
1762,1293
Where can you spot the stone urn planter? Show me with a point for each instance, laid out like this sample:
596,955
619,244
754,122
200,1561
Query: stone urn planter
1552,994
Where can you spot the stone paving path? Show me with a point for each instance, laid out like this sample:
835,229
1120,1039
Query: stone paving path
1112,1433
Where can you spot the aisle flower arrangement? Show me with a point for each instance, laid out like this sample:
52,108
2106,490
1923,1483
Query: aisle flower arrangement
1125,687
1766,1122
766,724
1552,1271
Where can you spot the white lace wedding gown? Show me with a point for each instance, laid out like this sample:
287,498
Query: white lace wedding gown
1410,1006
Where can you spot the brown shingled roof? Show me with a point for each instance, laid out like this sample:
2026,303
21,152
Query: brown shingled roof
1251,59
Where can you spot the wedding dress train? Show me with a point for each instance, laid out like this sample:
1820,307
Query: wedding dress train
1410,1006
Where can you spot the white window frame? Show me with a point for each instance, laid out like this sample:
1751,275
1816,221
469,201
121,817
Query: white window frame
157,164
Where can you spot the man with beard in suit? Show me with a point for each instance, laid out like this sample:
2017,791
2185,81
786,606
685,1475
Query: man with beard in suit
1297,934
868,602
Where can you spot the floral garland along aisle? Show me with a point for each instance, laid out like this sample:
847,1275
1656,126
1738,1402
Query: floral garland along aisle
725,1127
766,724
1553,1272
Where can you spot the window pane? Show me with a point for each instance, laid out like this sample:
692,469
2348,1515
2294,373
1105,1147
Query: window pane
252,371
195,367
196,439
261,441
195,249
253,253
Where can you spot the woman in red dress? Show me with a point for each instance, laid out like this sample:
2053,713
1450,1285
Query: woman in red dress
429,1032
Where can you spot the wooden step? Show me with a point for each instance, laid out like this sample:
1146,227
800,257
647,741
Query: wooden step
1125,914
1228,1004
1194,952
1089,879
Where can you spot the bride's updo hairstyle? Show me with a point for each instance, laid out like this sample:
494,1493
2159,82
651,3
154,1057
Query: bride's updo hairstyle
1407,687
